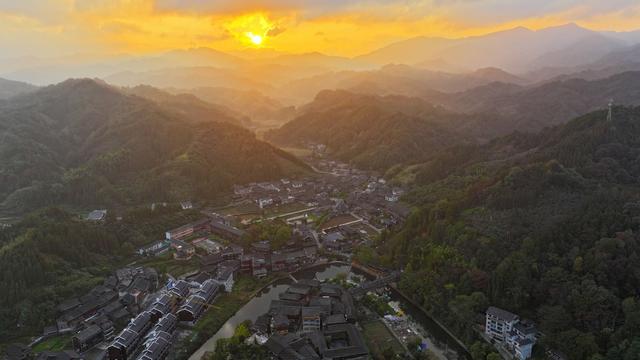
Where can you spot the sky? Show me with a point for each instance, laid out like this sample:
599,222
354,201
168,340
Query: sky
52,28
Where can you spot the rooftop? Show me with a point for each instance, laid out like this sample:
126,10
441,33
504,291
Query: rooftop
501,314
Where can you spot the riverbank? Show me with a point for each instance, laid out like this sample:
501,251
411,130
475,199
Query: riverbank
449,339
436,321
215,325
225,306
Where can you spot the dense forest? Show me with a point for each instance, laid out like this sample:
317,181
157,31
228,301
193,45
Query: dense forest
85,143
545,226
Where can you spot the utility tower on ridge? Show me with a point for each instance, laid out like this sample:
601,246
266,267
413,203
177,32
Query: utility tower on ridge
609,117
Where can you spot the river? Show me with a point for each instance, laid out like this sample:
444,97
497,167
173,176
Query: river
260,305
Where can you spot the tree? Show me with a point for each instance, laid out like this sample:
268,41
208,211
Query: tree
479,350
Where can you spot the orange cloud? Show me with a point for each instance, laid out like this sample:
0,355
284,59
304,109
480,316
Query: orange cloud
348,27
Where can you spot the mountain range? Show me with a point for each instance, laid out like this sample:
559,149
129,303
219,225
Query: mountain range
87,144
555,46
375,131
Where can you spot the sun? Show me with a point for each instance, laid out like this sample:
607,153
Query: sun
253,30
255,38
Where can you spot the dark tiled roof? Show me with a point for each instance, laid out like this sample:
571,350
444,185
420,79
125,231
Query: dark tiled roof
501,314
525,328
88,333
226,228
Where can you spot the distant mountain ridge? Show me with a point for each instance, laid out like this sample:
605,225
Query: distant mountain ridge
546,47
261,109
189,106
9,88
531,108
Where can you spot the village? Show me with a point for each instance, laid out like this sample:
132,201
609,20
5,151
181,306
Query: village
268,230
136,311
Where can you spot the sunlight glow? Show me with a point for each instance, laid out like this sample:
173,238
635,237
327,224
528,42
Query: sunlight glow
256,39
251,29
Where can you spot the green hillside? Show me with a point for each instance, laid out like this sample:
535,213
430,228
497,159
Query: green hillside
84,143
374,132
544,225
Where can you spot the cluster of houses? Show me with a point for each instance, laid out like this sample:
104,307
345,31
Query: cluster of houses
129,300
222,262
267,194
261,260
342,180
311,320
512,333
258,261
93,318
150,335
184,250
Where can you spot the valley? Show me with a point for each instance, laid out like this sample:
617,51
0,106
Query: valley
278,180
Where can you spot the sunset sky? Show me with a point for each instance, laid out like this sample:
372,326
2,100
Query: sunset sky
336,27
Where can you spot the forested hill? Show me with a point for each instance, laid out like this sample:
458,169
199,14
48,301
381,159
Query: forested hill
9,88
532,108
85,143
375,132
188,106
546,226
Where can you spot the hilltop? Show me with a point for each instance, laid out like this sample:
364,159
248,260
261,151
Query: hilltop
373,132
85,143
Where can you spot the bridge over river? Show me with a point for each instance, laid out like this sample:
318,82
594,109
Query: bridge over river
380,282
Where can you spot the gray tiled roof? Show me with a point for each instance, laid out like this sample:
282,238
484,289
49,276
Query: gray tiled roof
501,314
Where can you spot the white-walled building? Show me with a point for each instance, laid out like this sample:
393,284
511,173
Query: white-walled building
499,323
224,277
507,328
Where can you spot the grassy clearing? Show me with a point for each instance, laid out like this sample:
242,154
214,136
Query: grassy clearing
56,343
379,338
165,263
246,208
284,209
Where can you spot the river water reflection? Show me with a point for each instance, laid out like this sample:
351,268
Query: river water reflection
260,305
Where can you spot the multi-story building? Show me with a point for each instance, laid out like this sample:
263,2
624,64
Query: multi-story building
126,344
521,339
196,303
499,323
516,335
310,319
224,277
